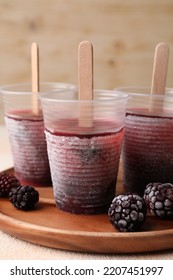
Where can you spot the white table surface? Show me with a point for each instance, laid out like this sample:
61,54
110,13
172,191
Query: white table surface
16,249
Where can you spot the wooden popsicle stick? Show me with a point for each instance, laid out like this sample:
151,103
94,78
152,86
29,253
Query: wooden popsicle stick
85,71
35,77
160,67
85,82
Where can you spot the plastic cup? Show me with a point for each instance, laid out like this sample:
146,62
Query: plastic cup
147,153
84,142
26,132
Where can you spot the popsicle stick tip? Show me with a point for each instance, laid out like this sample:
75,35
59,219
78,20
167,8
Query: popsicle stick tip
160,66
85,44
162,44
34,48
162,47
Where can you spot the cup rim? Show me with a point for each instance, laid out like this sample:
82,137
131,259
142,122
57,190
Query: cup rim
132,90
14,88
113,95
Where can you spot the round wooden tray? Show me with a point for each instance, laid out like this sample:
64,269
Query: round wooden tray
48,226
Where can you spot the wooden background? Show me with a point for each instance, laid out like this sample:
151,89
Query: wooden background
123,33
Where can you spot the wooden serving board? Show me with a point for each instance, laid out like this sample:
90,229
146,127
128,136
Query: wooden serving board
48,226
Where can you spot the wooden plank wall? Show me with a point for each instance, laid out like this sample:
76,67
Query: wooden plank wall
124,34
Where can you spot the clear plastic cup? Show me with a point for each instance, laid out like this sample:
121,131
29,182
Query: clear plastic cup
84,142
147,153
26,132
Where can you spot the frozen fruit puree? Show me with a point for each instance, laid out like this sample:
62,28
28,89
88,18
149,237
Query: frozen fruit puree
84,169
29,149
147,151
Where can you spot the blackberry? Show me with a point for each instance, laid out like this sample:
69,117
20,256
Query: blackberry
127,212
159,199
7,182
24,197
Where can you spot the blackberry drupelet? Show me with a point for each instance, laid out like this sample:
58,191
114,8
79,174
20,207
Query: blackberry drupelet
159,199
7,182
24,197
127,212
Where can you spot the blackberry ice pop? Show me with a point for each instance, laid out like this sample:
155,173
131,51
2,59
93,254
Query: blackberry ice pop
147,152
24,121
84,133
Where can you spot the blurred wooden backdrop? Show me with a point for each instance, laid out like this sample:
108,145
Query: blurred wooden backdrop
123,33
